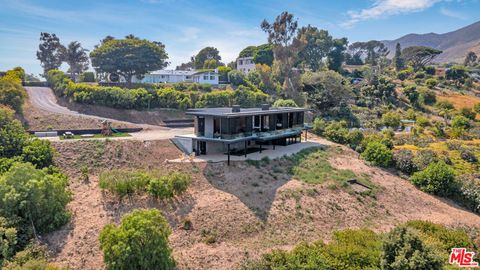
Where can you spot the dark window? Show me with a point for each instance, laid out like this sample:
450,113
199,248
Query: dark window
216,126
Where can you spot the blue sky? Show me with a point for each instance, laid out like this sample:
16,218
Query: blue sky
230,25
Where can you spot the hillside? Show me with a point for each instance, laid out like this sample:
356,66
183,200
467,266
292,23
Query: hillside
455,45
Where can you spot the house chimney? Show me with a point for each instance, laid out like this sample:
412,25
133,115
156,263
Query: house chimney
265,107
236,108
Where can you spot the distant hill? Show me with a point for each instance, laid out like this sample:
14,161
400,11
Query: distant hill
455,45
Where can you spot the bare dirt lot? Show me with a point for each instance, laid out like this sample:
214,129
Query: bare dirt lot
237,211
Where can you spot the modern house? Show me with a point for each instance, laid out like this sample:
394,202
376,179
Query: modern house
176,76
245,64
241,131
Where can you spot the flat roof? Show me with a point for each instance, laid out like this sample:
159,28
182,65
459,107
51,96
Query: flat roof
227,111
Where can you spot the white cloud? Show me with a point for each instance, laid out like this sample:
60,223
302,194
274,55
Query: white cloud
384,8
453,14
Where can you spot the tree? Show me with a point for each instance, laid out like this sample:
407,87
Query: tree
456,73
284,103
315,45
12,134
281,34
404,250
398,60
248,52
371,51
336,56
437,178
49,52
139,242
12,94
36,199
391,119
263,55
325,89
208,53
76,57
470,59
187,66
419,56
412,94
128,57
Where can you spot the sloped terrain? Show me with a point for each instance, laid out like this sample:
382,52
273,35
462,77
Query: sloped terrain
455,45
237,212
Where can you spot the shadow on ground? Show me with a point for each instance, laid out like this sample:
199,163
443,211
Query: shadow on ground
254,185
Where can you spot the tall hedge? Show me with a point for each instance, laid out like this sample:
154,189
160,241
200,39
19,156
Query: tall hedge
163,97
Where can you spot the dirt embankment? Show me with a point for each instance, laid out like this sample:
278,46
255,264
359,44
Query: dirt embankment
237,211
150,117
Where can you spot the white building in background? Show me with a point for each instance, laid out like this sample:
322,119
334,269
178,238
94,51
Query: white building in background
176,76
245,64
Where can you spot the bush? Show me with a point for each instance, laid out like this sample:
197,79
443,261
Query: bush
391,119
167,186
337,132
438,178
424,158
476,108
403,249
236,77
430,70
468,113
427,96
378,154
12,134
284,103
12,93
468,194
403,75
431,83
461,122
319,126
139,242
468,155
87,76
355,138
404,161
123,182
38,152
34,197
444,105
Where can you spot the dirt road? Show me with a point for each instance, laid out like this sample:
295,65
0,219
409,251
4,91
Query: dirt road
44,99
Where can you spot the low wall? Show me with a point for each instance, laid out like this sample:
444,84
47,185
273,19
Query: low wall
83,131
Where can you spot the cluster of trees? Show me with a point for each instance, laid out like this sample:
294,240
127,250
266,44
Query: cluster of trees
140,98
414,245
33,195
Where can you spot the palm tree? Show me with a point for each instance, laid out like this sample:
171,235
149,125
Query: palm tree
76,58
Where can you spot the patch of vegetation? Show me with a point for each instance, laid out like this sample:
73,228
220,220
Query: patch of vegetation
95,136
139,242
415,245
130,182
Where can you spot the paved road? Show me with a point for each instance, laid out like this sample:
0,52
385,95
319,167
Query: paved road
43,98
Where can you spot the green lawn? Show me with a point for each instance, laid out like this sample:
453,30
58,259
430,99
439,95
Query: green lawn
76,137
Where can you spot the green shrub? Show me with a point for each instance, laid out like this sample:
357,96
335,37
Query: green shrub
354,138
476,108
337,132
378,154
404,161
284,103
12,134
139,242
123,182
12,93
468,194
403,249
38,152
87,76
427,96
425,157
431,83
468,113
34,197
391,119
461,122
438,178
319,126
403,75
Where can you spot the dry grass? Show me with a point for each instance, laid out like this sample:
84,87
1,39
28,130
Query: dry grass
235,212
